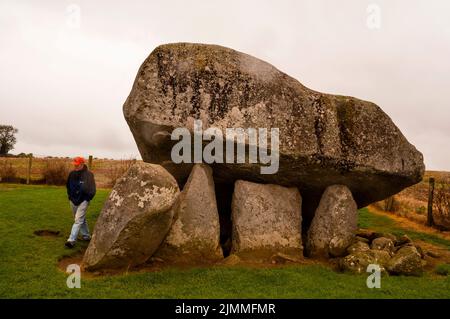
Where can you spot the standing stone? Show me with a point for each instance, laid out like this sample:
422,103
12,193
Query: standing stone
195,232
266,219
334,224
134,220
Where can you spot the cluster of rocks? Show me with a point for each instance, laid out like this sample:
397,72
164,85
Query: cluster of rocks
336,154
394,255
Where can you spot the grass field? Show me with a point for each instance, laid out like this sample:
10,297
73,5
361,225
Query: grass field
412,202
28,263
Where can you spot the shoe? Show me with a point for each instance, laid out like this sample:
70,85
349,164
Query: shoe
87,238
69,244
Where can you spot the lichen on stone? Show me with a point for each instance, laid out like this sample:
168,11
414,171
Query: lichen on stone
157,196
116,198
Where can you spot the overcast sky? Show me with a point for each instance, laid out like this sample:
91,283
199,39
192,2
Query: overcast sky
66,67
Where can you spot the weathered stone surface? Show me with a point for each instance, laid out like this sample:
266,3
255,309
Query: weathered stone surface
357,262
386,235
420,251
383,243
195,232
324,139
362,239
266,219
406,261
367,234
135,218
358,246
404,239
334,224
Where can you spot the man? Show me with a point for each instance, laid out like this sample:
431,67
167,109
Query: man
80,190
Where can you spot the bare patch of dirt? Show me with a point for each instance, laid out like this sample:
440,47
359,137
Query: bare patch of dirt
77,259
158,265
65,261
47,233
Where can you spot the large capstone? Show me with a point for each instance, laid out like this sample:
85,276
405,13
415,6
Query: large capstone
334,224
324,139
266,220
134,220
195,233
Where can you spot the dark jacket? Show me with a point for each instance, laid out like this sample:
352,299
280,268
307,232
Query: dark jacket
81,186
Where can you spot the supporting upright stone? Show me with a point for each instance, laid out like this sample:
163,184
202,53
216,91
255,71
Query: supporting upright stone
266,220
334,224
195,233
134,220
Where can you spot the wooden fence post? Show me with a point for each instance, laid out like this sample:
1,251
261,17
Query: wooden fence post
430,221
389,204
30,160
90,162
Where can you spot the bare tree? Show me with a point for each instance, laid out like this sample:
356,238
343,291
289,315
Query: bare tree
7,138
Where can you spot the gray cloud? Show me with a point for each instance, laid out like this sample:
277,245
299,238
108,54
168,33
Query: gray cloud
64,87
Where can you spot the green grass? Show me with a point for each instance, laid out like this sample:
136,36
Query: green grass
443,269
28,263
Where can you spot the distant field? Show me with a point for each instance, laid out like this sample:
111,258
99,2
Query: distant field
412,202
105,170
29,263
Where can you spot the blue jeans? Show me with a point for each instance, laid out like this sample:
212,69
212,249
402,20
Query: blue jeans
80,225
